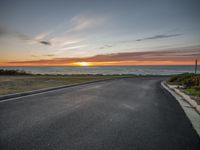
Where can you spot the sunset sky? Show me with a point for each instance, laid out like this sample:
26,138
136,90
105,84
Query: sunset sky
99,32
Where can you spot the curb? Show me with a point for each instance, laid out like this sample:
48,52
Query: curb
187,98
192,114
17,95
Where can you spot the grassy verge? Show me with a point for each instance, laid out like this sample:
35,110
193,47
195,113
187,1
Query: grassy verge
10,84
189,81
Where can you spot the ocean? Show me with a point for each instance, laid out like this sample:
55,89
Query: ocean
143,70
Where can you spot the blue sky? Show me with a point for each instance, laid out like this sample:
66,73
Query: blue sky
46,29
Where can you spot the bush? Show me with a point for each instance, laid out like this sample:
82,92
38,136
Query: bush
13,72
191,81
185,78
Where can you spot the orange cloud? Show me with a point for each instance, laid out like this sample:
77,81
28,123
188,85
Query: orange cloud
170,57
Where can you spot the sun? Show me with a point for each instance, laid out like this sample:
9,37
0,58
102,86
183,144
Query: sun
83,64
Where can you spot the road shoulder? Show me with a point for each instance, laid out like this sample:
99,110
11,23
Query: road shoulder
190,111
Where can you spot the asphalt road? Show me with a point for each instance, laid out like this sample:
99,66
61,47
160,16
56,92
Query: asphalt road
124,114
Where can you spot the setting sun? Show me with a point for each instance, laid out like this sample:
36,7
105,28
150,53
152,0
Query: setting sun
84,64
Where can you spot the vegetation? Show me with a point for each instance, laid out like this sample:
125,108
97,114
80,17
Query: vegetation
13,72
194,91
190,82
14,81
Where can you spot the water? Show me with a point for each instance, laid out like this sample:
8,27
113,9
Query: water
155,70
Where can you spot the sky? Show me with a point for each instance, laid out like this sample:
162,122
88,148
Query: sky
99,32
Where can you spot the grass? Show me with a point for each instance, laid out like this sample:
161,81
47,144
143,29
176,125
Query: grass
190,82
195,91
15,81
10,84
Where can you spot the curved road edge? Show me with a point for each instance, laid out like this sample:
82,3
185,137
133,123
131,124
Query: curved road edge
189,110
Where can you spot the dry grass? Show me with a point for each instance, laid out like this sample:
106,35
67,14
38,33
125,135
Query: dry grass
14,84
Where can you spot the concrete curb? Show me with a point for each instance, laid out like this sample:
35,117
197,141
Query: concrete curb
192,102
17,95
187,98
189,110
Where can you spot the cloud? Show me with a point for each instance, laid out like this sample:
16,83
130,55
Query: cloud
45,42
49,55
11,33
64,42
80,23
106,46
74,47
46,55
34,56
176,55
59,37
161,36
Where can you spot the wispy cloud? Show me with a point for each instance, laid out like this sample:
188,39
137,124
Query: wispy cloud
9,32
74,47
21,36
46,55
105,46
60,36
41,36
155,37
75,24
49,55
65,35
64,41
80,23
161,36
34,56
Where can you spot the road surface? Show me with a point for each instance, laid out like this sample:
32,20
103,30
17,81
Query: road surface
123,114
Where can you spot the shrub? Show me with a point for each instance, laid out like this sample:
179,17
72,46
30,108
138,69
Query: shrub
185,78
191,81
13,72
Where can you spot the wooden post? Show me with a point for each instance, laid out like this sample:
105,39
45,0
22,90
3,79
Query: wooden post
195,66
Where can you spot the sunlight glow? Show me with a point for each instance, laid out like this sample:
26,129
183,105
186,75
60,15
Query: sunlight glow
83,64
